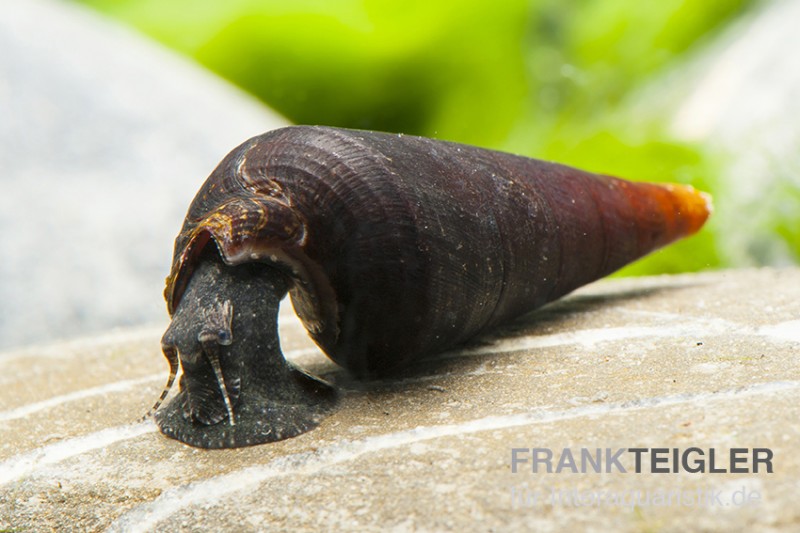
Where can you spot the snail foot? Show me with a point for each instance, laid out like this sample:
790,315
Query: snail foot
268,412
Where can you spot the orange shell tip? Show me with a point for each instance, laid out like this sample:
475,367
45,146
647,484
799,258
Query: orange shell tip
694,206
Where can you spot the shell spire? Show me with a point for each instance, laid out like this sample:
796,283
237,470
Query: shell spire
628,221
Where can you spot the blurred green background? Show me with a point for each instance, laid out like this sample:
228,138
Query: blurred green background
553,79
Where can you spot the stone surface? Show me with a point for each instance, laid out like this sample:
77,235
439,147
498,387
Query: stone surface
709,361
104,139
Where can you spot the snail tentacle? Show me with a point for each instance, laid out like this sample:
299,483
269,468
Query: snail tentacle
172,358
217,330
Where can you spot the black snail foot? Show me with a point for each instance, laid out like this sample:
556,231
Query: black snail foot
236,389
259,417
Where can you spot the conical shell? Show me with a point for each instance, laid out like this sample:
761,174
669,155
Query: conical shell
403,246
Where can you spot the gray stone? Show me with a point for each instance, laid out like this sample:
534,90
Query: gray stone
739,97
707,360
104,139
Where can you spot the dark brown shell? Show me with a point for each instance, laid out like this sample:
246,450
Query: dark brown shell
402,246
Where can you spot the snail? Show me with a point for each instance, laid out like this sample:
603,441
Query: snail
392,247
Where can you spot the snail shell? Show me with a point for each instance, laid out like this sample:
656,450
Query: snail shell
395,247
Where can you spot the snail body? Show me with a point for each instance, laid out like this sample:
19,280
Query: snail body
392,248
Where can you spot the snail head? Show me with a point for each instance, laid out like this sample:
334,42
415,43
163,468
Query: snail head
236,388
216,331
200,339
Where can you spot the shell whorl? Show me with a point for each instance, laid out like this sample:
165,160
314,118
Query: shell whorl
402,246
